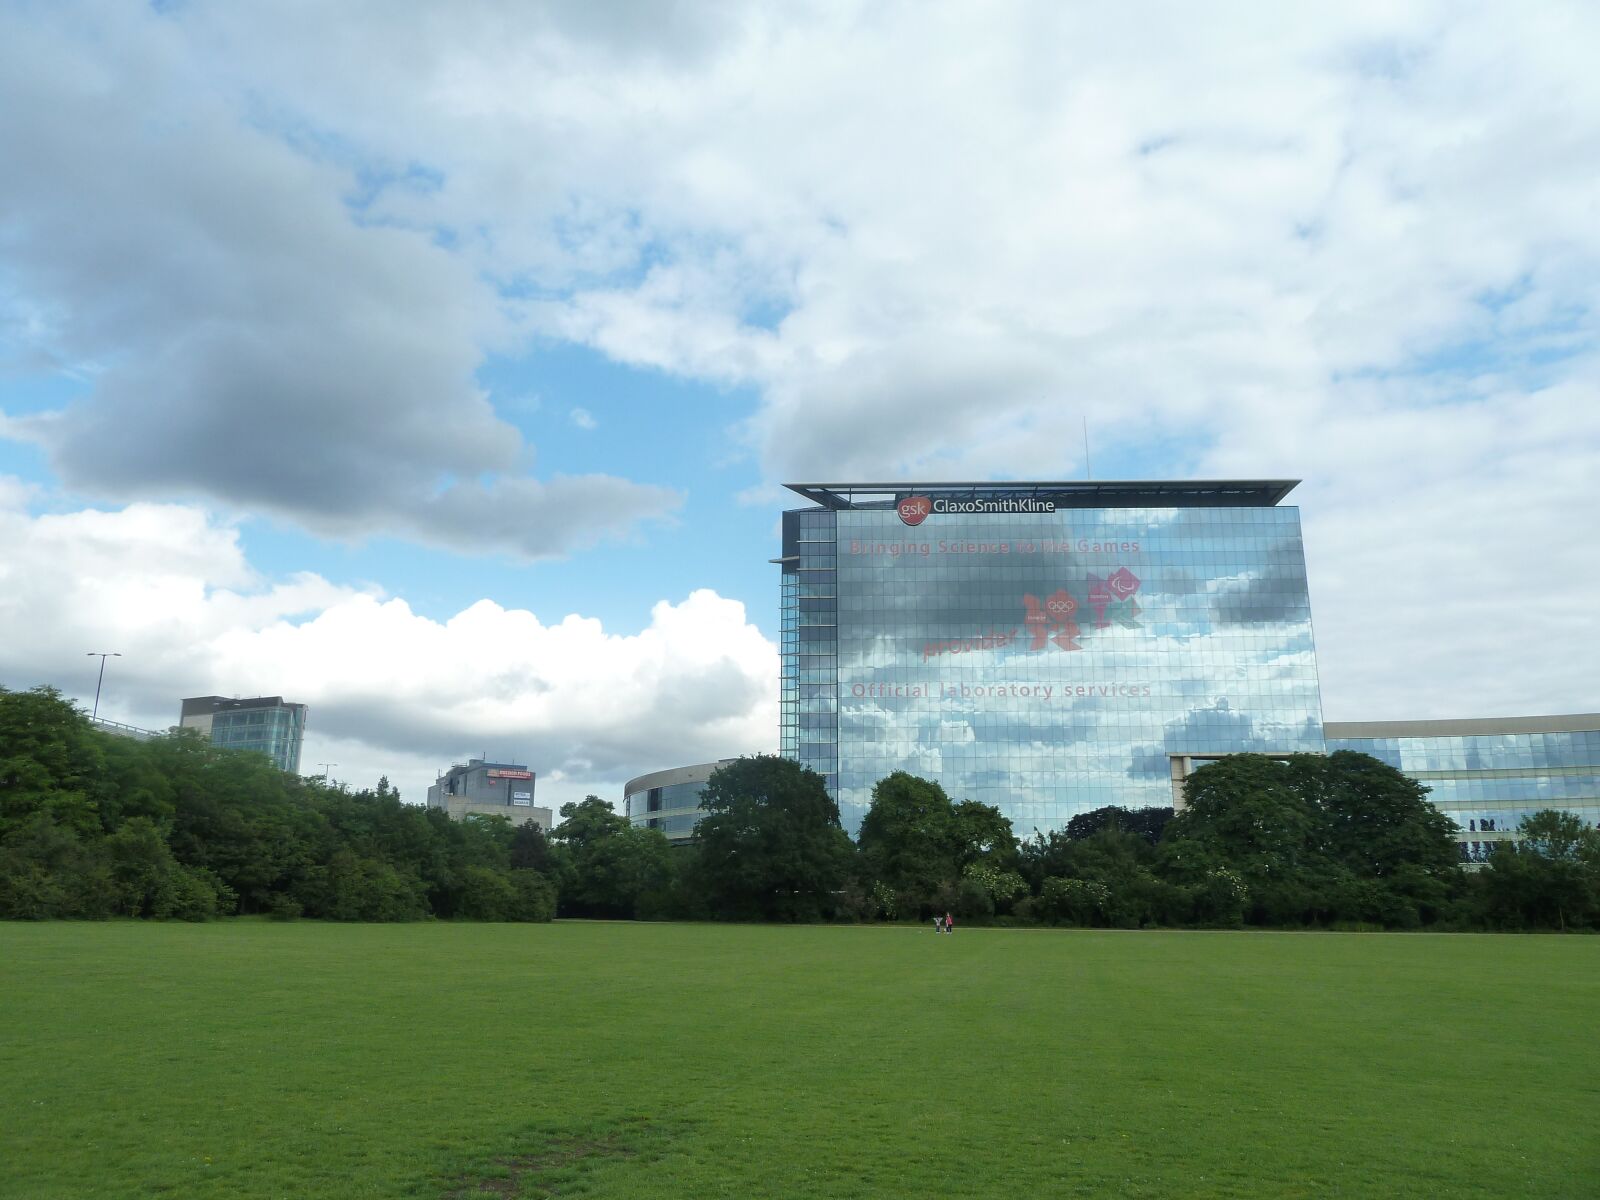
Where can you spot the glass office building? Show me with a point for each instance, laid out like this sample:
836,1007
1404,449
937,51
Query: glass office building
669,800
1042,647
265,724
1486,775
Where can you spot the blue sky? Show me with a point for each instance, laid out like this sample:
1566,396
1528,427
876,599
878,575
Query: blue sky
645,426
443,373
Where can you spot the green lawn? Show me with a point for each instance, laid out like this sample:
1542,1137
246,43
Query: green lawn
246,1059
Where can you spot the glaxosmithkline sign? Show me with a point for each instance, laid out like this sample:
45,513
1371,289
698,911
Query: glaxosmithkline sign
914,510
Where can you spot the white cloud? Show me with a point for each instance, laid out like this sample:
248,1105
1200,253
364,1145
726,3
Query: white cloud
389,691
583,418
935,236
1353,243
252,336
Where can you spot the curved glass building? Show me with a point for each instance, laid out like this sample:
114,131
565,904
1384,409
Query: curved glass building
1042,647
668,800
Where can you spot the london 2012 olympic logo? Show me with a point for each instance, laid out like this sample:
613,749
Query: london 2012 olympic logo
914,510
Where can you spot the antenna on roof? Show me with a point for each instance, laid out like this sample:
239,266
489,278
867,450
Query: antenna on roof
1087,472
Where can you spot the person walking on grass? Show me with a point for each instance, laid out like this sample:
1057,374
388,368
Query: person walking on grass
949,923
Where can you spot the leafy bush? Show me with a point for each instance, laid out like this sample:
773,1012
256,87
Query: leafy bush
533,896
284,908
1073,901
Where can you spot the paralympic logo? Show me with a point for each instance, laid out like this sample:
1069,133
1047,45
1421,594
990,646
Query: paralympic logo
1050,621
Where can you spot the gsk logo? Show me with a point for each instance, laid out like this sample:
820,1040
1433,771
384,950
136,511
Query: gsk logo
915,509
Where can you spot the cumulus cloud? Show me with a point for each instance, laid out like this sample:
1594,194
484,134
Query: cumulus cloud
250,336
935,237
389,691
1352,243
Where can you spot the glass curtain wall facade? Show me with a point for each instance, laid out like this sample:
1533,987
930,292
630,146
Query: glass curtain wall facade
1486,781
809,629
266,724
276,732
1045,662
669,800
674,809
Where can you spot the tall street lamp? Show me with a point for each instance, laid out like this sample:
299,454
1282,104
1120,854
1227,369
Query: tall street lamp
326,767
103,656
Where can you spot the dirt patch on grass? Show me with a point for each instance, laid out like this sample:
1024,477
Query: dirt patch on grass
562,1160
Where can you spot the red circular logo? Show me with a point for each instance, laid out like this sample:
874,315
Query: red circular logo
915,509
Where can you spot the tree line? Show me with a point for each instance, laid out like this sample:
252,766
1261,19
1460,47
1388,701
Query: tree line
93,825
96,826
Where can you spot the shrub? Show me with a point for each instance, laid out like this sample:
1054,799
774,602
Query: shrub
533,896
1073,901
281,907
885,901
1221,898
199,895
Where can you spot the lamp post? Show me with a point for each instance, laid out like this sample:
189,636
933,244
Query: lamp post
326,767
102,656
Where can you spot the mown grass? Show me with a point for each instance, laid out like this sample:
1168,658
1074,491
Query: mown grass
248,1059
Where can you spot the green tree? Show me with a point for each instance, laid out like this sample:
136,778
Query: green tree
1120,864
367,889
535,895
530,849
1247,814
1074,901
1148,823
605,865
1549,878
50,762
487,895
1377,821
922,850
148,882
907,842
1314,838
1001,887
770,844
981,833
132,784
142,870
92,825
1394,855
47,872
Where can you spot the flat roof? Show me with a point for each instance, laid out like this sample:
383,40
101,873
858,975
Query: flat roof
199,705
695,773
1462,727
1068,493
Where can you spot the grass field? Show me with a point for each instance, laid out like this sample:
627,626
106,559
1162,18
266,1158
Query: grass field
246,1059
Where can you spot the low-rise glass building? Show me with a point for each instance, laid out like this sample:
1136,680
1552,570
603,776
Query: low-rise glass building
669,800
1487,774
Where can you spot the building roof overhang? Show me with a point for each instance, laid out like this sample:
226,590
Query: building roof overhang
1073,493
